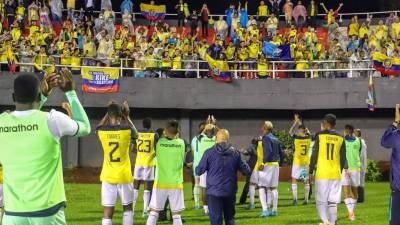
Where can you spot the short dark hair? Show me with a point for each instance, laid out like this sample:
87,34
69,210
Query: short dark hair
330,119
114,110
26,88
146,123
172,127
349,127
160,132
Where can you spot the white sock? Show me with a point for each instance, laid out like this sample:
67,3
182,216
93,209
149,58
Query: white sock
332,213
353,205
269,198
196,195
252,193
146,200
153,217
106,222
127,218
294,191
176,220
135,197
274,194
205,207
263,199
322,208
348,202
306,192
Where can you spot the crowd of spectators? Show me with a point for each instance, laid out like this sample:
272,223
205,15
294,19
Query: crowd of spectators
29,35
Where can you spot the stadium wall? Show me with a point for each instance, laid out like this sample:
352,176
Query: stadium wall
240,107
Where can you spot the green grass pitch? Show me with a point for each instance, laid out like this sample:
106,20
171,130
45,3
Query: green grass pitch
84,208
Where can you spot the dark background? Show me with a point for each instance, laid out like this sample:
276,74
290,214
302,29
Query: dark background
219,6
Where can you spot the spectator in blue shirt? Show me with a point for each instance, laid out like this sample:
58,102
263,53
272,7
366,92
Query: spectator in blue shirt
391,139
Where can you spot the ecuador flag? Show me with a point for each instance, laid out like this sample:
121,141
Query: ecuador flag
153,12
219,69
386,65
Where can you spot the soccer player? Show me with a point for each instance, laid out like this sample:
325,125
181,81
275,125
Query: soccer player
351,176
268,175
144,166
196,188
33,181
364,159
168,183
255,152
391,139
204,141
301,158
116,174
328,159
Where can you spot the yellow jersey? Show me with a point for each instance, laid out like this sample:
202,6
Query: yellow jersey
262,66
76,61
329,156
116,141
301,155
145,147
263,10
260,155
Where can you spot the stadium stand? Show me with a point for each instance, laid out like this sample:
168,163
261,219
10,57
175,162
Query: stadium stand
312,41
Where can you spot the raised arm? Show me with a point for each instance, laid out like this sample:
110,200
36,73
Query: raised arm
339,7
79,115
324,7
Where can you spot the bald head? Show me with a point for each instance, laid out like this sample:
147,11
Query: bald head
222,136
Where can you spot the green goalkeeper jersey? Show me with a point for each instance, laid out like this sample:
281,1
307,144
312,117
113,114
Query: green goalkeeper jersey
200,145
353,151
31,158
170,157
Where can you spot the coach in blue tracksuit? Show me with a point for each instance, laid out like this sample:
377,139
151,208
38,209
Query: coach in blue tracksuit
221,163
391,139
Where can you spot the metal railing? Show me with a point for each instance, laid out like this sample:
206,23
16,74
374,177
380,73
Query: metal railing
274,70
320,15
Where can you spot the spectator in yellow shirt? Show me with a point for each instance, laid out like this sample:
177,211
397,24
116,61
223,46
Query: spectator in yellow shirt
354,27
262,12
76,61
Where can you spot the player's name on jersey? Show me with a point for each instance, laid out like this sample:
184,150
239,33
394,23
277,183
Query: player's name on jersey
170,145
113,136
19,128
332,138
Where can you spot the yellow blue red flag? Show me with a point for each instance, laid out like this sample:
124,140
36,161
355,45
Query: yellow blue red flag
153,12
386,65
100,80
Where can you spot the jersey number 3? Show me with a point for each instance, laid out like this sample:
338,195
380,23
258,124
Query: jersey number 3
304,150
115,148
146,146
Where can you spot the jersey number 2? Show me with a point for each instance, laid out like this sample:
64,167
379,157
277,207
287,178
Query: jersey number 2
115,148
330,148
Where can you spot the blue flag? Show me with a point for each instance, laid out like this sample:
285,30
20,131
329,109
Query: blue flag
277,51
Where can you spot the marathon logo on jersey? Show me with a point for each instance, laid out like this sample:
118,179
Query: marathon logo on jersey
19,128
171,145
